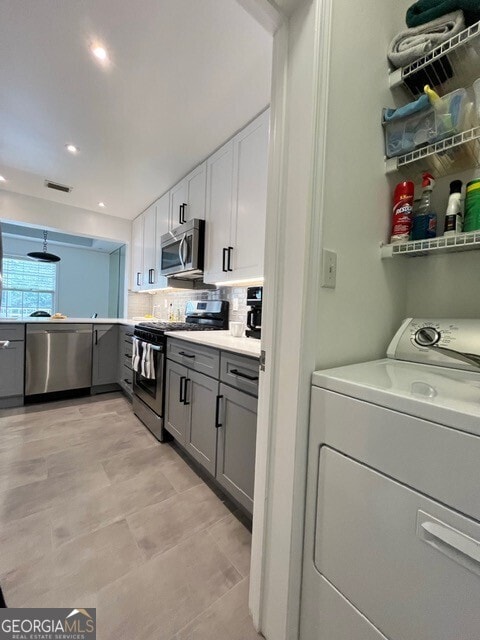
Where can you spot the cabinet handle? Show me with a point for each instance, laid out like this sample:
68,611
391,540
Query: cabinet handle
96,336
151,276
130,335
138,278
181,396
229,262
185,355
225,251
127,355
127,381
4,344
187,380
180,214
217,412
238,373
184,205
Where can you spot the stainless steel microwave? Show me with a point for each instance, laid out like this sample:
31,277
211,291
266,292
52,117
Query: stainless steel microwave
182,250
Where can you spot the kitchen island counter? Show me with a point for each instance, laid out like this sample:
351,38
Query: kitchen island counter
43,320
220,340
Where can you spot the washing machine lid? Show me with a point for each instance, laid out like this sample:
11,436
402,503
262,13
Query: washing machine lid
447,396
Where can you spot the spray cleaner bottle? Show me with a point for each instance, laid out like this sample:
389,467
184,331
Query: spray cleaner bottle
453,217
425,219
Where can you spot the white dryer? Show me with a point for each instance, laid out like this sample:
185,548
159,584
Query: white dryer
392,534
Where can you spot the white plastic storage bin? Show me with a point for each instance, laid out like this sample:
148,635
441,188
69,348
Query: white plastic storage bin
428,126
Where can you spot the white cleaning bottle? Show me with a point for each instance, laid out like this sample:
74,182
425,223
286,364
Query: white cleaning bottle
453,217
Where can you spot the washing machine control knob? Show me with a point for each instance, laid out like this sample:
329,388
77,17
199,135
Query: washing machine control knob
427,336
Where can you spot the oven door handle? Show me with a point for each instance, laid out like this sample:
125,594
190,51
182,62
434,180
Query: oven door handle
153,347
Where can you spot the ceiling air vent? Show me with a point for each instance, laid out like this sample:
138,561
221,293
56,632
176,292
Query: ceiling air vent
58,187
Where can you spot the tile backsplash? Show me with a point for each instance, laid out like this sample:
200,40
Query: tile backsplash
159,304
139,304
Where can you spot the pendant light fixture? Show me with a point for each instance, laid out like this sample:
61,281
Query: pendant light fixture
44,256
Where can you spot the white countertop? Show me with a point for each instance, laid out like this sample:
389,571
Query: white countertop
220,340
450,397
122,321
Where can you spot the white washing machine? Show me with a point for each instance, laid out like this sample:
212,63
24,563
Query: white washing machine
392,542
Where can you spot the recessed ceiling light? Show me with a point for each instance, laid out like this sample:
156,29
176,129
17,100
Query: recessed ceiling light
71,148
101,204
99,52
2,179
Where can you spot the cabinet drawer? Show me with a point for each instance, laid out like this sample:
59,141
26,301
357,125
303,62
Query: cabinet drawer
126,379
12,332
126,354
197,357
125,333
239,372
408,563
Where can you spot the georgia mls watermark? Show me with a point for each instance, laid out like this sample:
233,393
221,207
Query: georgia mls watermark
48,624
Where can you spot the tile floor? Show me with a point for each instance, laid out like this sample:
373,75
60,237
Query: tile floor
94,512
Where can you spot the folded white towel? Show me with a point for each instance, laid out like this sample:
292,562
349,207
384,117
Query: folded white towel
136,354
411,44
147,362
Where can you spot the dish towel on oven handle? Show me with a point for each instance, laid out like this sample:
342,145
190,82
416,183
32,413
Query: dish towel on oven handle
148,363
136,354
143,359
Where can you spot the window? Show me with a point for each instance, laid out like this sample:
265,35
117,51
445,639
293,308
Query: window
28,286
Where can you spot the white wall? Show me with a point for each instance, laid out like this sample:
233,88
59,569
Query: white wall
443,286
83,277
359,317
50,215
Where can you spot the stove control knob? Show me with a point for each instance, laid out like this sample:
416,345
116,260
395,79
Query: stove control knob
427,337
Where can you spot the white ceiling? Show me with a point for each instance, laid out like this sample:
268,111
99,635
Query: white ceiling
184,76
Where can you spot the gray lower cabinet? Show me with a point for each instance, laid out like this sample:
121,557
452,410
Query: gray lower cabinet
237,435
105,355
190,407
201,434
12,360
215,422
176,411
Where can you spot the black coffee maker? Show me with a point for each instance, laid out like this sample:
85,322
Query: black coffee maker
254,315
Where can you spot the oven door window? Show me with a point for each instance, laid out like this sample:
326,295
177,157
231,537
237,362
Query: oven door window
151,387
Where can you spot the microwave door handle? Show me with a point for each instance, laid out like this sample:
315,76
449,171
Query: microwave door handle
180,252
184,250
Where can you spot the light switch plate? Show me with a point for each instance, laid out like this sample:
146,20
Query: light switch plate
329,269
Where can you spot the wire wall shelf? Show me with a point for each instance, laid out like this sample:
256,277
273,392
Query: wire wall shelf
457,153
451,65
450,244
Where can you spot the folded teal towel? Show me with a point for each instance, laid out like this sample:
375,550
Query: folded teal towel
412,107
425,11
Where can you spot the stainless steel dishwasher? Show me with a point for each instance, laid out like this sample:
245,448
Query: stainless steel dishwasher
58,357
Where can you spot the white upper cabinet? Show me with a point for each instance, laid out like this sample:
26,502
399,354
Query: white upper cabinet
187,198
236,205
163,226
136,281
196,183
149,249
218,213
178,203
250,199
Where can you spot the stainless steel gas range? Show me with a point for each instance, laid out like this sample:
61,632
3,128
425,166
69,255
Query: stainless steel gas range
149,388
